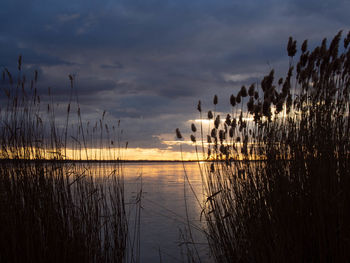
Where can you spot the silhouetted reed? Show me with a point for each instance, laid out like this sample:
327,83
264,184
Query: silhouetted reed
51,208
278,178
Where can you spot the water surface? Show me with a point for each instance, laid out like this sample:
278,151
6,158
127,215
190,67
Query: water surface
163,216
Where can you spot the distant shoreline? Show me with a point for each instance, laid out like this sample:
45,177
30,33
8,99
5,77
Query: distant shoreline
112,161
98,161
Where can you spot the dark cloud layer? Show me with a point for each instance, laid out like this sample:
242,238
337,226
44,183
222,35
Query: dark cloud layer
148,62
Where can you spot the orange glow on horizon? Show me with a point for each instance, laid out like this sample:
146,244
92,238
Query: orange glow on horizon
132,154
157,154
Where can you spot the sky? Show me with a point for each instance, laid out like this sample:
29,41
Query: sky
147,63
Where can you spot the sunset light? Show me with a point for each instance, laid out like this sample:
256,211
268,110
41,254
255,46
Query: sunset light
174,131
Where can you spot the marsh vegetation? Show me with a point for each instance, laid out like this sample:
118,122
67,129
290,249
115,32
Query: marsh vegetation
278,178
51,208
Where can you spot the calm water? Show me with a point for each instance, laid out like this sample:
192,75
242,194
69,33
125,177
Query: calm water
163,216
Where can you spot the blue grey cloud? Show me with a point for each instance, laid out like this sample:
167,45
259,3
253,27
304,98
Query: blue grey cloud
145,61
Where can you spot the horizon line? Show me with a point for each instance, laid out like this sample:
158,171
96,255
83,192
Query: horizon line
116,161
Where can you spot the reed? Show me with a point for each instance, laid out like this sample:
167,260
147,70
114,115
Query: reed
53,209
278,169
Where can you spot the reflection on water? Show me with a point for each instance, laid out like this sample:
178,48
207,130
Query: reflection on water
163,212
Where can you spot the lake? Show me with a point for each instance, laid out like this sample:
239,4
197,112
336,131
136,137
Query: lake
163,214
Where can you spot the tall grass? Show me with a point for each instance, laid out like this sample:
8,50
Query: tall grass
51,208
278,178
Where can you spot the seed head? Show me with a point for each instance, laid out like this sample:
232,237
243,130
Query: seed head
251,90
193,138
208,139
210,115
231,131
323,48
217,121
304,46
215,100
291,47
178,133
233,123
228,119
244,92
238,98
334,46
199,107
213,133
250,105
267,81
347,40
256,95
222,135
193,127
233,100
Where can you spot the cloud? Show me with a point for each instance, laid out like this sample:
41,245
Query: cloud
149,62
115,65
63,18
241,77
